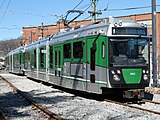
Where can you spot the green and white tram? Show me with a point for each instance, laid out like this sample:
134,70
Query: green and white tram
15,61
111,56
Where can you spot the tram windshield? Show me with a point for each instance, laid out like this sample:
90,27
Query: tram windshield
129,51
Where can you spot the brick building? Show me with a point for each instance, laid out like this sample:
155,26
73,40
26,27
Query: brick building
31,34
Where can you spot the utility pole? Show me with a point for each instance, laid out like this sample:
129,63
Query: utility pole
93,12
31,37
154,47
41,28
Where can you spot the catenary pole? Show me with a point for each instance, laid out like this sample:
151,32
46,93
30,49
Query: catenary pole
42,30
154,47
93,10
31,36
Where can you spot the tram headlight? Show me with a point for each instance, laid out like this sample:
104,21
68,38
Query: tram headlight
113,72
116,78
147,71
118,72
145,77
144,71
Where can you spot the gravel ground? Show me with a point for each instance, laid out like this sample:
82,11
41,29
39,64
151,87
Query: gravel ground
15,107
77,108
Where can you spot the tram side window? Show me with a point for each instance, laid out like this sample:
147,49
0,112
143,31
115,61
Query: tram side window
16,57
59,59
51,57
27,56
34,59
55,58
78,49
16,61
67,50
42,57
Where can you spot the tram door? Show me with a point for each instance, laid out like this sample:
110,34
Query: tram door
57,60
90,61
96,54
47,61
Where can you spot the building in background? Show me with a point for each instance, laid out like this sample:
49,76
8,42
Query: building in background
31,34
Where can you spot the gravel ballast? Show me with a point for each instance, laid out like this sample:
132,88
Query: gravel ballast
77,108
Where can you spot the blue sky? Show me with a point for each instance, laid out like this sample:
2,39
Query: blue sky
25,13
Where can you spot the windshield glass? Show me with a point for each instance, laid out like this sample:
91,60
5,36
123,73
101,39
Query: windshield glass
129,51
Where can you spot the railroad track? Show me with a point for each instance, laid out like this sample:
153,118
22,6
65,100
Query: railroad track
135,107
51,115
145,100
2,115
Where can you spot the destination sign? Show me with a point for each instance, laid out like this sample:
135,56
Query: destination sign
129,31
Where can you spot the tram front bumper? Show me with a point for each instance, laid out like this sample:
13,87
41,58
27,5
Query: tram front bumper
134,93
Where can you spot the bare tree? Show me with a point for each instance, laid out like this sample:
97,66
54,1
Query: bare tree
8,45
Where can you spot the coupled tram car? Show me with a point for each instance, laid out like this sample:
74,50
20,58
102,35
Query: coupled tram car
111,56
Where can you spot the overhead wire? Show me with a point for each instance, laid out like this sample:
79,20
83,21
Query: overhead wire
5,11
77,4
64,16
84,6
130,8
6,28
25,13
105,9
2,4
78,12
34,14
89,5
73,8
87,8
87,17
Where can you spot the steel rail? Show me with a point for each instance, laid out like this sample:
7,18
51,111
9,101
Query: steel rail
4,117
131,106
145,100
52,115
